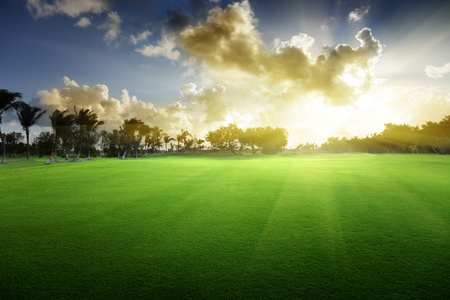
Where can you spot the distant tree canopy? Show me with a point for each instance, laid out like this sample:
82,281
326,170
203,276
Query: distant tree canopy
431,137
269,140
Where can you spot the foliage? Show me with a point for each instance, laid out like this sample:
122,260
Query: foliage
225,138
43,143
28,116
431,137
9,101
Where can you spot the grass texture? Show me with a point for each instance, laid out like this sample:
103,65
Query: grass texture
284,226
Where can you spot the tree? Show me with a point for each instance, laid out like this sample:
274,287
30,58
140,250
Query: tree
154,138
129,129
167,139
13,143
225,138
62,125
91,136
88,122
183,138
28,116
251,137
273,140
8,101
437,135
44,143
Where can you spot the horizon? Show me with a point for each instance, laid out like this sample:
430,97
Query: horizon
318,69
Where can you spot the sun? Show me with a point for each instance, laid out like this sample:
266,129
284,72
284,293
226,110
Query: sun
353,76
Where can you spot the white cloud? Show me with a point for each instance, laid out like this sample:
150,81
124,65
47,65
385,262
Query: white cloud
41,8
165,48
83,22
112,26
357,14
437,72
113,111
301,41
141,37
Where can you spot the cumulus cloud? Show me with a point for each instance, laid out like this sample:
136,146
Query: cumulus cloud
112,26
437,72
83,22
357,14
228,39
165,47
42,8
113,111
216,108
141,37
228,42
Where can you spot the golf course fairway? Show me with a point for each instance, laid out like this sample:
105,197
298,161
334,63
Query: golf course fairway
340,226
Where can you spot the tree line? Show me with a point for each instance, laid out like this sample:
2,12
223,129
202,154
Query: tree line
78,133
431,137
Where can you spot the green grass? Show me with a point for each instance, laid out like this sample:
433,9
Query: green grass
306,226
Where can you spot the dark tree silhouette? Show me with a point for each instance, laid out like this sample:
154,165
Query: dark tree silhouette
88,122
167,139
28,116
130,129
8,101
62,124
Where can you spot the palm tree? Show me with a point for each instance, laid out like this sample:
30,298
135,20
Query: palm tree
8,101
62,128
167,139
183,137
91,127
28,116
87,121
129,128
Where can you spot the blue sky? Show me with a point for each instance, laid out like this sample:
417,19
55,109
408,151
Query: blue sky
197,64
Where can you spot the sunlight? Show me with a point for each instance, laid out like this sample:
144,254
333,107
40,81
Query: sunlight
353,76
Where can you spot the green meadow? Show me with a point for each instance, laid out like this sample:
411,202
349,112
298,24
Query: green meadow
171,226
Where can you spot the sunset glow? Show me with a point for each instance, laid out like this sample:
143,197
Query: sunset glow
316,69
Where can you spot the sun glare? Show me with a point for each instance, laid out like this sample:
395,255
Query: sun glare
353,76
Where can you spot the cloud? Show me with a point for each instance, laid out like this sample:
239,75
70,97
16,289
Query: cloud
229,46
113,111
215,107
141,37
112,26
178,19
328,24
357,14
41,8
83,22
165,47
437,72
228,39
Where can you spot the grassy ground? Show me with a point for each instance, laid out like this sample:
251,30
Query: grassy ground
308,226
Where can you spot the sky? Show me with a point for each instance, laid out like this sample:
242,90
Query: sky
317,68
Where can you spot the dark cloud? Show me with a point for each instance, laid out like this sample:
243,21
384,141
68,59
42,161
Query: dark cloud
178,19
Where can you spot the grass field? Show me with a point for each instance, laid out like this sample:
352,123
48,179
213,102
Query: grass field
306,226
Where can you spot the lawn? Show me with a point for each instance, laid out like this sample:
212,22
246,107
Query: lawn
305,226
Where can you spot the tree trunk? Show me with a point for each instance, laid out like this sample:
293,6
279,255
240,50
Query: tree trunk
54,145
79,150
65,153
27,133
4,147
124,153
